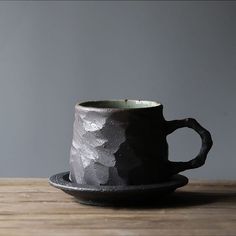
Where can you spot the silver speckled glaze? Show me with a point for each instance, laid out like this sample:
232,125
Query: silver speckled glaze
123,142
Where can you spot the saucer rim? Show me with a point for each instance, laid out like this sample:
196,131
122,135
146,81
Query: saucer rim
58,181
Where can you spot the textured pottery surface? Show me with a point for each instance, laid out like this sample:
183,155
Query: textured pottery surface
125,144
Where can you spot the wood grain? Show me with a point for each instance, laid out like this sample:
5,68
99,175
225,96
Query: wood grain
32,207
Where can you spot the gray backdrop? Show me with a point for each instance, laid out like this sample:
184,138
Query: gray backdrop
52,54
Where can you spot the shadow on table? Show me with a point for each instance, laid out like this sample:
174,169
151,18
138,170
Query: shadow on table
179,199
183,199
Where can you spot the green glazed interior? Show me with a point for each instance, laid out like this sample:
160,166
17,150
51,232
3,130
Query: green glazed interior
120,104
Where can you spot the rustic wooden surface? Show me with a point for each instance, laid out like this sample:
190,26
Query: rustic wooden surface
32,207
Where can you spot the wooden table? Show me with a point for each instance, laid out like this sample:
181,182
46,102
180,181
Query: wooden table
32,207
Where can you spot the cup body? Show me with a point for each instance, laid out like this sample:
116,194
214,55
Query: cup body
119,142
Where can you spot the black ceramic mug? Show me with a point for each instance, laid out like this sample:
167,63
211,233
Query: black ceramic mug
123,142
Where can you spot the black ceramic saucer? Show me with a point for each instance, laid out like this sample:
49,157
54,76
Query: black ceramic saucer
117,195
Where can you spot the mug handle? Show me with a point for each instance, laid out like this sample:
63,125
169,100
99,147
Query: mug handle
199,160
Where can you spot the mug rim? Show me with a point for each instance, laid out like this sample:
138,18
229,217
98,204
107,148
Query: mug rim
140,104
